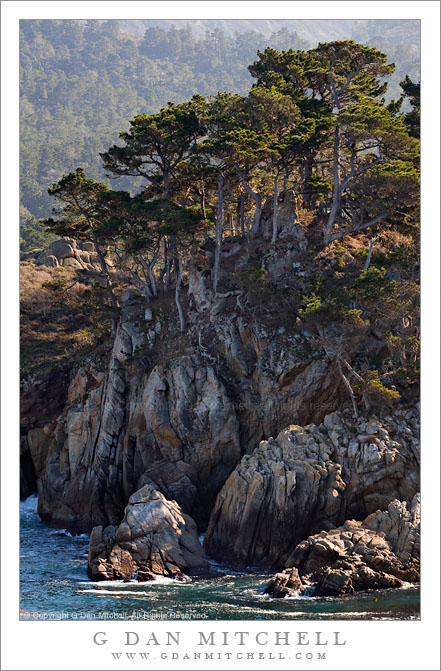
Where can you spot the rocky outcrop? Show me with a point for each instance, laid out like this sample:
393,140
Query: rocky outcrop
173,424
40,404
287,221
307,480
379,553
182,423
286,583
70,253
154,539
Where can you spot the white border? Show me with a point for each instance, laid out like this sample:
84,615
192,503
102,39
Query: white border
371,645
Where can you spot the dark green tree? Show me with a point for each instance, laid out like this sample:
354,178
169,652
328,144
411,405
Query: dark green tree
155,143
412,119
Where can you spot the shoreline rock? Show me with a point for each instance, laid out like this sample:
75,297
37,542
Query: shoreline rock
306,480
379,553
154,539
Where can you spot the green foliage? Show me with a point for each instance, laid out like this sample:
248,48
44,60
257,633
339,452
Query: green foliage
373,283
407,376
80,83
314,279
319,184
79,214
155,141
310,303
361,253
375,392
412,119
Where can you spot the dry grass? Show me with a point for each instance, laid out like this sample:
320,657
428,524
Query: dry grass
57,324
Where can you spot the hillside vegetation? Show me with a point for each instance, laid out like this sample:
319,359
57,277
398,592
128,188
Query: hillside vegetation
81,82
309,182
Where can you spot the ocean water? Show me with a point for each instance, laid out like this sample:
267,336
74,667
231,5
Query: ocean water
54,586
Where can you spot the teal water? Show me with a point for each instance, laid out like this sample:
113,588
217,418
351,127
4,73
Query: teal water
54,585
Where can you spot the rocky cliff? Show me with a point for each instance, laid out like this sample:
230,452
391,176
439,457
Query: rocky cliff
177,410
309,479
181,427
380,552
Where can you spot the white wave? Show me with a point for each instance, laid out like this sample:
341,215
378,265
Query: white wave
408,585
108,583
30,504
113,592
60,532
160,580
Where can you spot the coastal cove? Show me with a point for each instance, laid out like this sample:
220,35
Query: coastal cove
54,586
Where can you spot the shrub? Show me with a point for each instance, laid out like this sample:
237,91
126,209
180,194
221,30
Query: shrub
374,393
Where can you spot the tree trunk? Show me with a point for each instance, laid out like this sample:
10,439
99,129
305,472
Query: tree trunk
152,278
219,230
255,229
149,275
105,272
348,387
360,227
178,294
368,259
203,208
166,184
164,267
241,213
167,275
248,226
275,208
336,192
307,189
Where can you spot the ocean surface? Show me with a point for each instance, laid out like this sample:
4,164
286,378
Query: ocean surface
54,586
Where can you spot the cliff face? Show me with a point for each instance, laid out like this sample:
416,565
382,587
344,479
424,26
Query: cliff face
177,412
182,424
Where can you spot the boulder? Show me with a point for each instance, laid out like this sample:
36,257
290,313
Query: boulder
349,576
73,263
307,480
86,246
55,253
400,524
48,260
155,538
380,552
286,583
76,254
